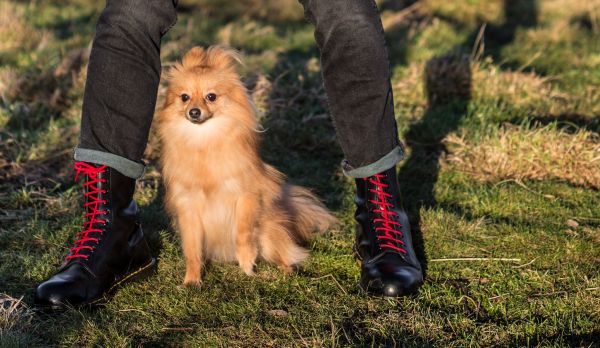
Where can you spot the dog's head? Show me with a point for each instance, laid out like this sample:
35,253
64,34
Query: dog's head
205,85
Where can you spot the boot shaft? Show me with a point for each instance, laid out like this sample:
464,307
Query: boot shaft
109,207
383,226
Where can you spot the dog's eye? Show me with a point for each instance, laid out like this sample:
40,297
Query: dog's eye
211,97
185,97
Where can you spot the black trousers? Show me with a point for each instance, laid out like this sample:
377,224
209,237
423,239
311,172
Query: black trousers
124,73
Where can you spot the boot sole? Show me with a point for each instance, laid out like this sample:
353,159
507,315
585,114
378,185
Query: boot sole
378,291
140,274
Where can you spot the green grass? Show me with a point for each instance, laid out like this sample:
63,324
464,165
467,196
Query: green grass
539,65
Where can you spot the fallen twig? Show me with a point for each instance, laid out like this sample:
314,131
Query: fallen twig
526,264
133,310
520,183
497,297
178,329
477,259
550,294
400,15
335,280
299,334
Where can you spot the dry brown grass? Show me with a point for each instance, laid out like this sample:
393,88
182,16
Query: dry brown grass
236,35
465,12
15,35
273,10
408,87
541,153
14,315
8,78
564,10
454,76
519,88
14,31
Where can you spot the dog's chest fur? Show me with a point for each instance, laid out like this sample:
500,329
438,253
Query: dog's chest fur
212,186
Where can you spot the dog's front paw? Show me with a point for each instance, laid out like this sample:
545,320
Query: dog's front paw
246,258
286,269
191,281
248,268
190,284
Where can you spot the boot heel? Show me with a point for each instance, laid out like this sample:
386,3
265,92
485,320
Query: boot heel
144,272
141,273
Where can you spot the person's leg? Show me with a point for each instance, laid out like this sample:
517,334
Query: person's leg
119,101
122,83
356,73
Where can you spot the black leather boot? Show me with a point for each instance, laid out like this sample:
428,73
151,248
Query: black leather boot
109,250
383,241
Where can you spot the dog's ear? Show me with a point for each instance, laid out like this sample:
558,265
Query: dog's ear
194,57
221,57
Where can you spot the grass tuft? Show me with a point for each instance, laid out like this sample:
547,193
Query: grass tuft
15,32
523,153
15,316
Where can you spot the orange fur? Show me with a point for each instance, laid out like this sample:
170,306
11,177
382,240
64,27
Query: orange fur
227,203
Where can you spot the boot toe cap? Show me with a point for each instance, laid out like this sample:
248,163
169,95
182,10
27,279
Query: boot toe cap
391,279
51,294
57,294
405,281
68,288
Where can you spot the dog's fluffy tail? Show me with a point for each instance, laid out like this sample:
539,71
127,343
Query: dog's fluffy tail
293,215
308,213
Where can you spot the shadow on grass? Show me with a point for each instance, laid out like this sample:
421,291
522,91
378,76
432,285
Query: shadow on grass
155,219
448,84
300,139
66,28
448,87
356,332
517,14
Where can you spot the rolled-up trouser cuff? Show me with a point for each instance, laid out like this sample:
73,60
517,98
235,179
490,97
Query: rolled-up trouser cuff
123,165
384,163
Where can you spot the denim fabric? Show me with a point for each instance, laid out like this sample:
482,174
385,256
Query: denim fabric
123,76
384,163
356,74
123,165
124,72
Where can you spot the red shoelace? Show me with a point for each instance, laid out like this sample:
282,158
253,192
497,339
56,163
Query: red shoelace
388,230
90,207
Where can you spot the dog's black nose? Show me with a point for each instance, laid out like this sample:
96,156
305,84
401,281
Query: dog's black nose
194,113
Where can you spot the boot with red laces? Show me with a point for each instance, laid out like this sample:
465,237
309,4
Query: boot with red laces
108,251
383,242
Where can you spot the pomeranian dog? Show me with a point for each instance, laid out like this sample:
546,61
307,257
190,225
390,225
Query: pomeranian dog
228,205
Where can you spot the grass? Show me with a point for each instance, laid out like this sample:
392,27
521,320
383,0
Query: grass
501,124
543,153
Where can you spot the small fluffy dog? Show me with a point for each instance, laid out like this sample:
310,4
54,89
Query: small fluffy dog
227,203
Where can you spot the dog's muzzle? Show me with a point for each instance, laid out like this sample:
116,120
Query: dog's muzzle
195,116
